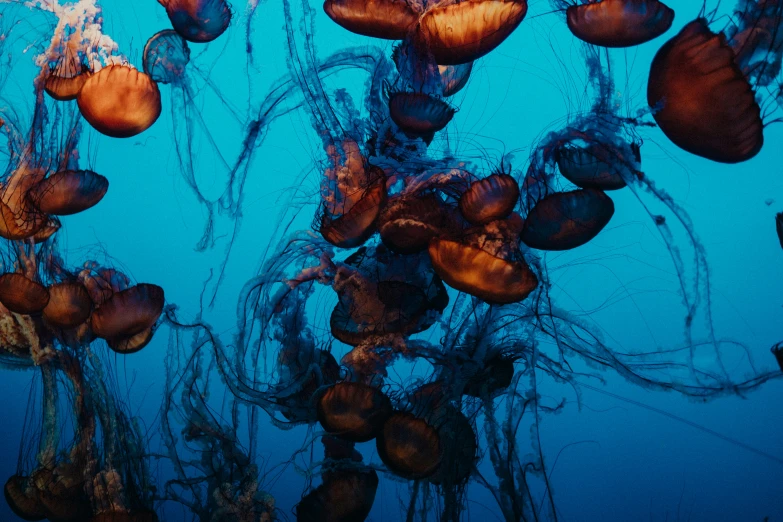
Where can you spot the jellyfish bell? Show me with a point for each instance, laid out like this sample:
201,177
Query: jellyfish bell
566,220
460,448
493,377
489,199
166,55
419,114
460,32
595,165
68,192
454,77
22,295
19,218
408,222
619,23
701,100
23,499
410,447
61,491
386,19
353,411
120,101
357,223
199,21
48,230
344,496
307,377
133,343
69,305
128,313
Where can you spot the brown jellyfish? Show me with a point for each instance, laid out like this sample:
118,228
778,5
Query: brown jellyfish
593,166
357,223
387,19
619,23
48,230
419,114
68,192
486,262
132,344
298,406
454,77
461,32
779,227
701,99
489,199
496,375
409,446
128,313
20,219
66,78
353,411
22,498
120,101
69,305
22,295
61,492
408,222
198,21
344,496
777,351
566,220
459,449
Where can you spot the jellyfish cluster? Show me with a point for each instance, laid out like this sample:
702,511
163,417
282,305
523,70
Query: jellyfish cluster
417,255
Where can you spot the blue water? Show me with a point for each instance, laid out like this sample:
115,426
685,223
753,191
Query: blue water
634,455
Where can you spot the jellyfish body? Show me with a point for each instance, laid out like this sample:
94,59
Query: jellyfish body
128,313
69,192
19,218
419,114
454,77
353,411
298,406
407,223
66,79
166,55
409,446
357,224
779,227
48,230
198,21
344,496
566,220
22,295
387,19
619,23
496,375
592,166
69,305
119,101
777,351
458,33
460,447
701,99
489,199
23,499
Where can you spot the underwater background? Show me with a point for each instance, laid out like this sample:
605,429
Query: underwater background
627,452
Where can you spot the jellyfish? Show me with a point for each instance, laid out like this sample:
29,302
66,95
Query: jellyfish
120,101
128,317
618,23
409,446
66,78
489,199
19,218
22,295
567,220
344,495
387,19
23,499
199,21
494,377
779,227
353,411
454,78
68,192
166,56
777,351
408,222
594,165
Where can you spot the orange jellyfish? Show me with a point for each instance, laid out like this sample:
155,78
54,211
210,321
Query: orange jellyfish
619,23
66,78
387,19
595,165
22,498
344,496
488,199
69,305
779,227
48,230
409,446
460,32
566,220
419,114
22,295
126,319
407,223
700,98
198,21
485,263
353,411
19,218
120,101
68,192
454,77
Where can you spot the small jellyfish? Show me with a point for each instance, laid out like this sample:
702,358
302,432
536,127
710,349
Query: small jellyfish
22,295
22,498
409,446
166,55
66,78
419,114
353,411
387,19
344,496
460,32
120,101
454,77
48,230
619,23
496,375
779,227
408,222
132,344
594,165
701,99
357,223
128,313
488,199
69,305
777,351
68,192
566,220
198,21
19,218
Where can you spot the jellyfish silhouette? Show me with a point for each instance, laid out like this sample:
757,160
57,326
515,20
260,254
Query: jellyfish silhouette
66,77
68,192
618,23
777,351
353,411
387,19
128,317
409,446
779,227
489,199
198,21
22,295
345,495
